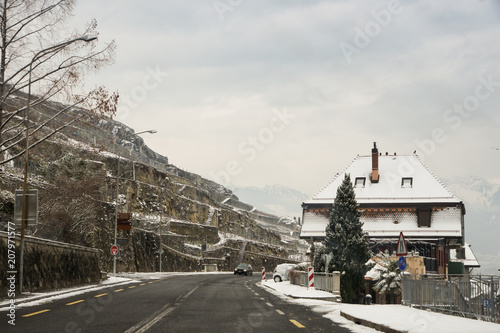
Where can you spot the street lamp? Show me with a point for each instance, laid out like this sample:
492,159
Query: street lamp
117,193
38,55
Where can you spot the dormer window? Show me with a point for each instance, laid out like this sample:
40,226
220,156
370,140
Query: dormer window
407,182
359,182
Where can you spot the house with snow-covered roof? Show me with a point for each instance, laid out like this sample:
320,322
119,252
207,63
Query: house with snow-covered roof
395,193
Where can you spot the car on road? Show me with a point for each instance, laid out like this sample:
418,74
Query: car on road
244,269
282,272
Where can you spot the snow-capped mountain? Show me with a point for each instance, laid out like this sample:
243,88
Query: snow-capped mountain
276,199
482,220
475,192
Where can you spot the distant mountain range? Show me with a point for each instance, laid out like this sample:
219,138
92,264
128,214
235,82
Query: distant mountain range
482,219
275,199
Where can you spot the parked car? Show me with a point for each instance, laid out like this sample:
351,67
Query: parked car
245,269
281,272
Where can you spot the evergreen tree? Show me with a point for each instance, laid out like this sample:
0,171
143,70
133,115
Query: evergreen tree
346,240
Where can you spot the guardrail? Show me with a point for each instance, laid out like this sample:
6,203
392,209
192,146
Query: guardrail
475,296
322,281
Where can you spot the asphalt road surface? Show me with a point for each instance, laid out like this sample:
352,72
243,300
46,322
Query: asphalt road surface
186,303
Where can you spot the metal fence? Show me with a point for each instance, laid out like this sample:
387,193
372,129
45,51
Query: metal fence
475,296
322,281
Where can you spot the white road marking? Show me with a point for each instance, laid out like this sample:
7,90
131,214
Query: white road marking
147,323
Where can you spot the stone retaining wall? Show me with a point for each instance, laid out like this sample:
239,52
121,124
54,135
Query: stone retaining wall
49,264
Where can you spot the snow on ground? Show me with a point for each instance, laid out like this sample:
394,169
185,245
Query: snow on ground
398,317
313,299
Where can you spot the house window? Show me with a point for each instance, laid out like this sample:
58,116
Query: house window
424,217
359,182
407,182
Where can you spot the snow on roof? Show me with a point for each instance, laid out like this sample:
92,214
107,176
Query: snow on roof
425,187
315,226
470,259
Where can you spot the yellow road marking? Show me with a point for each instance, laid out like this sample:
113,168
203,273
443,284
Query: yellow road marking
117,290
76,302
296,323
132,287
35,313
100,295
142,284
150,282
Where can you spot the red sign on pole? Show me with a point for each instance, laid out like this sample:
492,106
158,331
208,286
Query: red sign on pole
114,250
402,249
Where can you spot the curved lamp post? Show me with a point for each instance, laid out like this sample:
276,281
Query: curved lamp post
117,192
38,55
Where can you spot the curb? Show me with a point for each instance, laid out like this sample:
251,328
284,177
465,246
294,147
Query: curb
370,324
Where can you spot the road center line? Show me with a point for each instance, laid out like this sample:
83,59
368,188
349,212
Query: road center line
117,290
100,295
269,304
146,324
296,323
76,302
35,313
149,322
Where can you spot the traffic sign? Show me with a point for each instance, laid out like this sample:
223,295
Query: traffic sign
402,249
402,263
32,202
114,250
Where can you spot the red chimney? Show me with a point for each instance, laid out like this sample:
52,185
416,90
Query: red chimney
374,177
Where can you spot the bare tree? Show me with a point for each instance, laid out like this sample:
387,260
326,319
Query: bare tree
28,29
73,205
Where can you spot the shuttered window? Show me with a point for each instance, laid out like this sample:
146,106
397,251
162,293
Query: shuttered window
424,217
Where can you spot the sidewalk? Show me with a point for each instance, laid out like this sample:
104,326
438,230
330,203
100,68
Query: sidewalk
387,318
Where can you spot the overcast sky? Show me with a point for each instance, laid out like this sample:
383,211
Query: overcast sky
258,92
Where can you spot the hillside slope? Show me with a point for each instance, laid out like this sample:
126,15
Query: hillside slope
174,212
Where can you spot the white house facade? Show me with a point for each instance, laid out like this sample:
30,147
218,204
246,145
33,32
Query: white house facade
395,193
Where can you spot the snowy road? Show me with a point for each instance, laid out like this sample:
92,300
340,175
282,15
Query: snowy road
175,303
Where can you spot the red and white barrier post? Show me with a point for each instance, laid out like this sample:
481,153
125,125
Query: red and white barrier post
311,277
263,274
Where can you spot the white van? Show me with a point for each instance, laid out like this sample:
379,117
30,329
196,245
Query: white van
281,272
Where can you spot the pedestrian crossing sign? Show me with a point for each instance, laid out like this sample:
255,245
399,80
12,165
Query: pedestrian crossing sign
401,250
